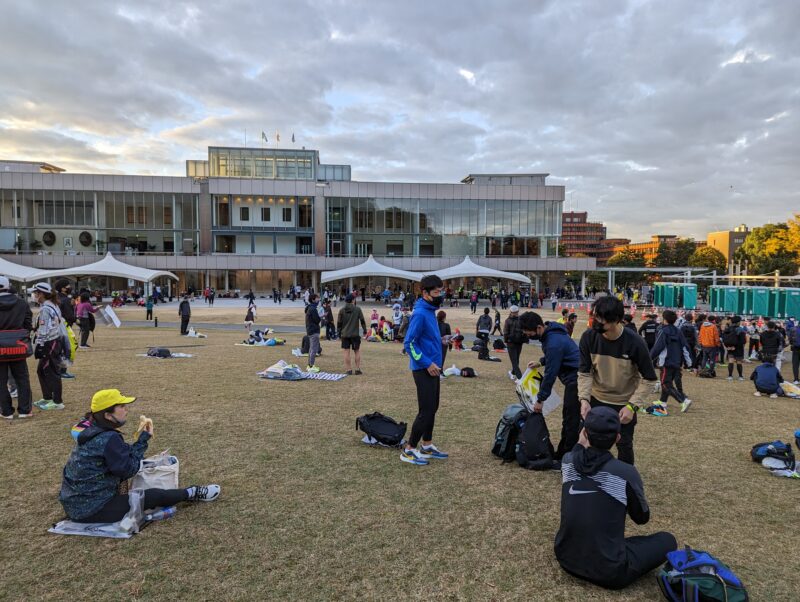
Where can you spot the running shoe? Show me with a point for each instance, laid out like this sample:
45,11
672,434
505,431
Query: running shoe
67,375
741,378
757,393
685,405
312,369
511,375
358,373
412,456
730,378
52,405
660,412
42,402
204,493
13,393
774,396
10,416
431,451
25,415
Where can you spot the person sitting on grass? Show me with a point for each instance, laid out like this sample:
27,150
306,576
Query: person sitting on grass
597,492
767,378
101,461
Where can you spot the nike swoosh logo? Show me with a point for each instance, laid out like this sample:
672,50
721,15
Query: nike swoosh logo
573,491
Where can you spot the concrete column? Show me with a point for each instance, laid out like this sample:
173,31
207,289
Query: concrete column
350,285
583,284
204,219
610,281
227,281
314,281
319,223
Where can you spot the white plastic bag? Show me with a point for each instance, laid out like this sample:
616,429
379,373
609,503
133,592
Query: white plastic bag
528,389
157,472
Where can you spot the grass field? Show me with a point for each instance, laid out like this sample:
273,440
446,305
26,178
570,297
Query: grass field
309,513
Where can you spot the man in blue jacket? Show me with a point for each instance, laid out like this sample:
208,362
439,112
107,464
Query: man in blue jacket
424,347
560,360
670,352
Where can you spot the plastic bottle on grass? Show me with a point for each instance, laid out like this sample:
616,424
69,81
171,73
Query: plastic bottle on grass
162,514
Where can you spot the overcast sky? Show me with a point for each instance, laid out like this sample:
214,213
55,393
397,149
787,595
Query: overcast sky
658,117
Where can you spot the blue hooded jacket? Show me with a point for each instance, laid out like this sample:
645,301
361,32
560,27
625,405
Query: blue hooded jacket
670,349
767,377
422,341
561,359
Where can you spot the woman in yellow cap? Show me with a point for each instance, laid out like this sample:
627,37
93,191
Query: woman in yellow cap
101,460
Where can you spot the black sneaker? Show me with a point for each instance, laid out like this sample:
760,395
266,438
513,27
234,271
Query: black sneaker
358,372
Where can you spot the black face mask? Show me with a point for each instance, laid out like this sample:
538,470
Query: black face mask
437,301
598,327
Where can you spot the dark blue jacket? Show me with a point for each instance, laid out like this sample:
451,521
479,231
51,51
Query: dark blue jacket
561,359
422,341
312,319
767,377
99,462
670,349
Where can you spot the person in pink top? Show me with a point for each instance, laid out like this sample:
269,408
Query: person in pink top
84,311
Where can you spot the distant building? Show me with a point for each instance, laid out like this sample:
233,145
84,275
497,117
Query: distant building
728,241
608,248
650,249
580,236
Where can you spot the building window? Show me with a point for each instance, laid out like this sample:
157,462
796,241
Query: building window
167,216
304,245
141,215
266,214
305,216
129,215
244,214
364,219
287,214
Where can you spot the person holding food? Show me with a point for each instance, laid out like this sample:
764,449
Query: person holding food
101,461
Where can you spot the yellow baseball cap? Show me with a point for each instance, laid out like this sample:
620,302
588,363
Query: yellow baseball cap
102,400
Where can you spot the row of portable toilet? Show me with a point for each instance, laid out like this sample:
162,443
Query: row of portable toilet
755,301
675,295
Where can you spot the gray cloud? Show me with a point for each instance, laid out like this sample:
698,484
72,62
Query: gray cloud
660,116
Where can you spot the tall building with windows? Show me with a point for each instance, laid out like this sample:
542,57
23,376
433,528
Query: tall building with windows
728,242
268,218
579,236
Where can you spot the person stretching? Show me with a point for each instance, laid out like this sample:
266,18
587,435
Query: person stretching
423,343
597,492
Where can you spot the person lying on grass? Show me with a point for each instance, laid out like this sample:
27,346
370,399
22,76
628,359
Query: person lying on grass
101,461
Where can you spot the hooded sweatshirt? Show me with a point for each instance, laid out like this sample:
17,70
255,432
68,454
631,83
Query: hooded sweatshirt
670,349
99,462
350,316
312,319
709,335
597,491
15,314
422,341
561,359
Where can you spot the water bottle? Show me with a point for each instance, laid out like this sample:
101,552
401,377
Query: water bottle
162,514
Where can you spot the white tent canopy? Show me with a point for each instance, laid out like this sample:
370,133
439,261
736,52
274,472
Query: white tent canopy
109,266
370,268
22,273
469,269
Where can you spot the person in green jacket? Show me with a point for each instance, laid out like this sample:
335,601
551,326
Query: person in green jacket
347,323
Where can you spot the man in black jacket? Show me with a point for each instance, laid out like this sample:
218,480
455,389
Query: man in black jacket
597,492
15,314
185,314
313,320
689,332
649,330
772,344
514,339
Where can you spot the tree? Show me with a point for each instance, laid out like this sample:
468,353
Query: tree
674,254
710,258
684,249
627,258
769,248
665,256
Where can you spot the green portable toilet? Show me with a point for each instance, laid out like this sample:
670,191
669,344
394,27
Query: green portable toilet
758,301
777,308
689,296
669,295
791,302
731,302
658,294
713,298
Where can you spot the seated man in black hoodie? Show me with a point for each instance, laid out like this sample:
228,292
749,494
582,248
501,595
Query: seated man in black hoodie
597,492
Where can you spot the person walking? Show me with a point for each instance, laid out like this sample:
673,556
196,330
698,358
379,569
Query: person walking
561,360
185,314
424,347
250,316
313,320
670,353
347,323
514,338
148,308
15,315
85,312
444,332
48,346
615,370
497,328
473,302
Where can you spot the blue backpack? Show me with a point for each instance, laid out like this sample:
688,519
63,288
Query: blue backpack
696,576
777,449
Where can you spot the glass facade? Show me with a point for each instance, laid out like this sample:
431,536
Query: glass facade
96,221
276,164
427,227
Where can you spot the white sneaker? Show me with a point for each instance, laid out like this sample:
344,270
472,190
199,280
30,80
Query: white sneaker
774,396
13,392
741,378
794,382
757,393
730,378
24,415
685,405
9,417
511,375
204,493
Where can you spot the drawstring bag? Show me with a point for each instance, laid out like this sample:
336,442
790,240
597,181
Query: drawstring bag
157,472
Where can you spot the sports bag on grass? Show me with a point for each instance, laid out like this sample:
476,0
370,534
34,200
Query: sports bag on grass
534,450
305,345
383,429
696,576
777,449
159,472
15,345
162,352
505,436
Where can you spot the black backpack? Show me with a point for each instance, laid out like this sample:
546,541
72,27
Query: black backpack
385,430
161,352
707,373
483,353
505,436
305,345
498,344
534,450
730,338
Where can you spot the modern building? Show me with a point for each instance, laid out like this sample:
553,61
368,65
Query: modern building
579,236
650,248
728,241
269,218
608,248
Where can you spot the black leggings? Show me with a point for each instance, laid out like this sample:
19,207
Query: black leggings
428,402
49,371
118,506
795,362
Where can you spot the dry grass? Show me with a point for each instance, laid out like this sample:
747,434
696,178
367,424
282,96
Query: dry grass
307,512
